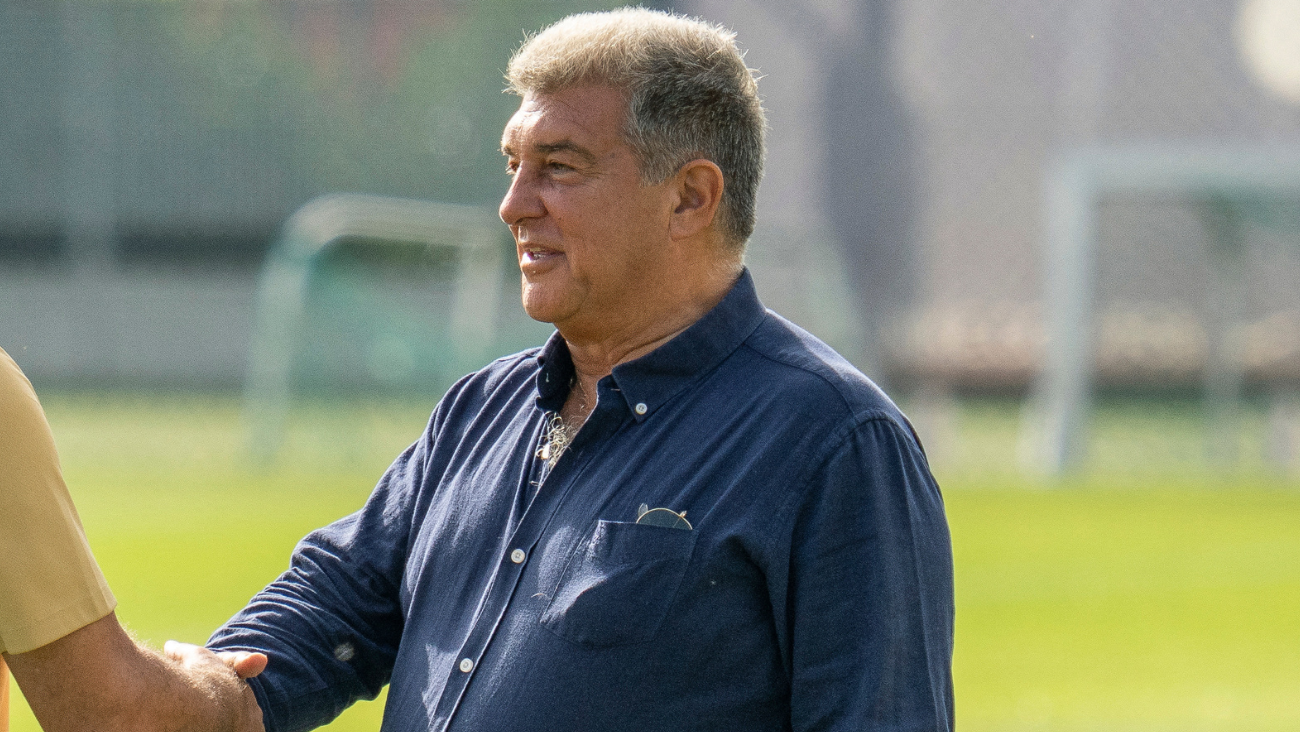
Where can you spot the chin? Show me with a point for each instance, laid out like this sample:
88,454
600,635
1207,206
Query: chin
540,306
539,315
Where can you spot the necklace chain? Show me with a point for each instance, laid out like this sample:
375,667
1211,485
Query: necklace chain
558,434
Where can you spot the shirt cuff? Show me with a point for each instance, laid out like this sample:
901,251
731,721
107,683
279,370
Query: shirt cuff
53,626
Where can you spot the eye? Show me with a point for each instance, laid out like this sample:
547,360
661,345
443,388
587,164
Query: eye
512,167
558,167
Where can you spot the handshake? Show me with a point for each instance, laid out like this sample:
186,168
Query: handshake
77,667
99,679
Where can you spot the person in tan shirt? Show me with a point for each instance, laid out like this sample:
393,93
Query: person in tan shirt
77,667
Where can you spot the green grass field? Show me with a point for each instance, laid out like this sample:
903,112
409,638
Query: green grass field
1151,594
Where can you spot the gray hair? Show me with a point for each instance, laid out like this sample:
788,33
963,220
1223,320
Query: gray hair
689,92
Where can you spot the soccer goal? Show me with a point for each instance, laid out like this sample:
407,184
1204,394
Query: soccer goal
1231,187
467,245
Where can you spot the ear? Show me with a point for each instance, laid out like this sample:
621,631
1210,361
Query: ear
697,190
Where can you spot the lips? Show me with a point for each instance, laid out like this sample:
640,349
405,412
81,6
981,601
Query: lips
532,255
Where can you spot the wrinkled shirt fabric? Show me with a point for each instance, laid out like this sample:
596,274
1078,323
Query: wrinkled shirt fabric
813,590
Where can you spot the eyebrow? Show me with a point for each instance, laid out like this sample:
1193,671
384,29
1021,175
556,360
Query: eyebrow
553,147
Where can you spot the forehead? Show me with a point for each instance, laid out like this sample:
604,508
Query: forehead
592,116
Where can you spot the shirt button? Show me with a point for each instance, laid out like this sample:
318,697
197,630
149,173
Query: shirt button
466,665
517,556
640,408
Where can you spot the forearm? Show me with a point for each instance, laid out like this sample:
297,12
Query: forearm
171,696
332,622
99,679
324,659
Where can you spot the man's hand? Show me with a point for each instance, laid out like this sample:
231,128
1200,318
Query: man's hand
98,679
245,665
212,673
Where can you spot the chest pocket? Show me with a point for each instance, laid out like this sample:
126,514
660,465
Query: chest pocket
618,586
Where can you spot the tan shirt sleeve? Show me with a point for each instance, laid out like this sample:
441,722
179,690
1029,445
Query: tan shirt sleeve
50,584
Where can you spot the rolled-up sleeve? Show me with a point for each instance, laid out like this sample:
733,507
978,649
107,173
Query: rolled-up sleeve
870,603
331,624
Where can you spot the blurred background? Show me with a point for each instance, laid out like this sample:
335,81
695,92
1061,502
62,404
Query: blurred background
1145,575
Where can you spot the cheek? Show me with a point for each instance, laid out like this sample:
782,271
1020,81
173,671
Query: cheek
609,230
632,210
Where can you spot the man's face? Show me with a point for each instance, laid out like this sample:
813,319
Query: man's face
592,240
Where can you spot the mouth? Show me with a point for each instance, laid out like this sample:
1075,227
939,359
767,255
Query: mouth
532,254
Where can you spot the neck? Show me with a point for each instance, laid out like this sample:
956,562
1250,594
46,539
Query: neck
596,354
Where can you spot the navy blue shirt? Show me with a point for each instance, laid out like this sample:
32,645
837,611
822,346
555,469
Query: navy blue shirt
813,590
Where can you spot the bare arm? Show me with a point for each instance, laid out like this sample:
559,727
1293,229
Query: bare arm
98,679
4,696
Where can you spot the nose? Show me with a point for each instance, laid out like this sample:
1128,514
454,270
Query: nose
521,201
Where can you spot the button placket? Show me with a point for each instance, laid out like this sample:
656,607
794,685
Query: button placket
536,518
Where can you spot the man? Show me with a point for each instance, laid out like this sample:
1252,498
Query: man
681,513
77,667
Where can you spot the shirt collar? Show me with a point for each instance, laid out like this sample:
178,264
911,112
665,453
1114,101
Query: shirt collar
555,371
655,377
